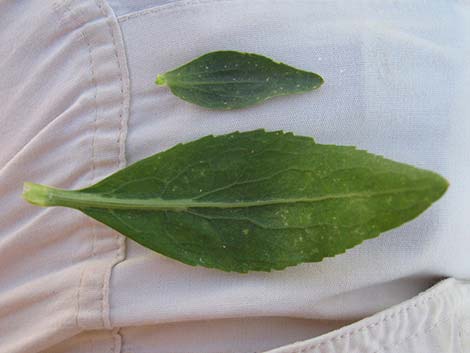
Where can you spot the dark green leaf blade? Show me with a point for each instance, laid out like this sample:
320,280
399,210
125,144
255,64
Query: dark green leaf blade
230,80
253,201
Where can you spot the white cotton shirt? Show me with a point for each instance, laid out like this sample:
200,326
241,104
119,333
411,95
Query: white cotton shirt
79,102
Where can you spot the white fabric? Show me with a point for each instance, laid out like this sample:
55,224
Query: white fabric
437,321
397,82
123,7
64,107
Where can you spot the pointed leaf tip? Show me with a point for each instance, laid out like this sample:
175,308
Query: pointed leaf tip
254,201
230,80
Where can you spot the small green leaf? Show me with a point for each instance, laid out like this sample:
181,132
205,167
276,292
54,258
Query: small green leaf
230,80
254,200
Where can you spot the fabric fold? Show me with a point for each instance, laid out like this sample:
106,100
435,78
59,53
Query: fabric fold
65,104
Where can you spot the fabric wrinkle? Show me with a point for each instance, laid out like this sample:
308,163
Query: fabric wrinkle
394,84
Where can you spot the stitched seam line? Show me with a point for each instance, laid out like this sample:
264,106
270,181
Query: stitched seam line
93,143
188,3
95,119
169,7
106,274
93,82
78,297
419,333
413,336
386,318
460,342
463,317
121,85
119,239
80,21
461,336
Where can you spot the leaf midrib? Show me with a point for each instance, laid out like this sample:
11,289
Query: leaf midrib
82,199
202,83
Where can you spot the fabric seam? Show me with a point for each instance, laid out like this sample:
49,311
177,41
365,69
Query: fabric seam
93,142
107,273
77,18
413,336
80,22
184,3
120,254
78,297
121,141
461,334
386,318
168,7
462,320
419,333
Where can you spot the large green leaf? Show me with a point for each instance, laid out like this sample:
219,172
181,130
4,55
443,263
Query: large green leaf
253,201
231,79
